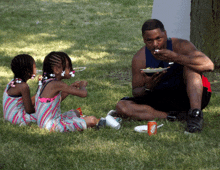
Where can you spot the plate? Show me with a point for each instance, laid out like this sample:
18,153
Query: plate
154,70
142,128
79,69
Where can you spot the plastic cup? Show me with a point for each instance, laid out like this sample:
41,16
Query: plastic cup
110,121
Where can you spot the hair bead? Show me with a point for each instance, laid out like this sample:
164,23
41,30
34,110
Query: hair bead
72,73
63,73
52,75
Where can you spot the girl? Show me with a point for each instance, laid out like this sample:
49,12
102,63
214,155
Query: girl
18,106
58,66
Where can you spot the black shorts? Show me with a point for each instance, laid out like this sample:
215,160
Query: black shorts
169,100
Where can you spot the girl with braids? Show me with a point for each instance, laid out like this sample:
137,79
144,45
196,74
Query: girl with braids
18,106
58,66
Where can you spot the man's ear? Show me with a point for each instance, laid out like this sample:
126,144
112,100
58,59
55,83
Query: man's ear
165,32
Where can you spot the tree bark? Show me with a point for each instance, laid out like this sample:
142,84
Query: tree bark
205,28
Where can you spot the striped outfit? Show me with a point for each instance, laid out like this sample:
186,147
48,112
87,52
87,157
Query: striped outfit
14,111
49,114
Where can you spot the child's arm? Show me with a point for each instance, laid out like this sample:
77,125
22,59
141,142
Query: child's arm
80,92
65,94
25,92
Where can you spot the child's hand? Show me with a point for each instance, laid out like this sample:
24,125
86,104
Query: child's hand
76,84
83,83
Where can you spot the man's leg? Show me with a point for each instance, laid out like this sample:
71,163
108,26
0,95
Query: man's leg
130,109
194,87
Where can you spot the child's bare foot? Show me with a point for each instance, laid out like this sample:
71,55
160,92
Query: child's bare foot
91,121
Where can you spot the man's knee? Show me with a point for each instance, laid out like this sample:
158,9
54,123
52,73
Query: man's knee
191,77
121,107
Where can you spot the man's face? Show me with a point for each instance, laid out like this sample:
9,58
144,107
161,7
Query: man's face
155,39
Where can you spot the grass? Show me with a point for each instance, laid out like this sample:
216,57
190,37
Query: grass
102,36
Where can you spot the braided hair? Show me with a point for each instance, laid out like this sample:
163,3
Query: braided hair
51,60
68,59
22,66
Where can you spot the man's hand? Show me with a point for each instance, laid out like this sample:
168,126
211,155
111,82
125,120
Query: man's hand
165,55
152,81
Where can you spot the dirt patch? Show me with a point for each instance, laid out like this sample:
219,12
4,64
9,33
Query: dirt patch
215,86
125,76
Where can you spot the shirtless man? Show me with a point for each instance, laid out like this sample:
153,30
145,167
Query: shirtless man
181,90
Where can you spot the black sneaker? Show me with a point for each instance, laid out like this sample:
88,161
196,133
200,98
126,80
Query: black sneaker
195,121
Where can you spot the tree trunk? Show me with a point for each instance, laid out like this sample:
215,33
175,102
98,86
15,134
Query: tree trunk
205,28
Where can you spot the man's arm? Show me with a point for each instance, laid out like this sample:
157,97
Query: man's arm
190,56
141,83
186,54
138,82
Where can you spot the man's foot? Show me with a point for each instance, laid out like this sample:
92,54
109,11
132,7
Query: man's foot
195,121
172,116
177,115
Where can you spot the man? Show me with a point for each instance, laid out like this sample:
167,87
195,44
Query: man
180,92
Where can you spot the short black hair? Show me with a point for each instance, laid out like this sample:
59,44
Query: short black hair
152,24
22,66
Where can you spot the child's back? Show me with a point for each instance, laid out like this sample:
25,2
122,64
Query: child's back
17,105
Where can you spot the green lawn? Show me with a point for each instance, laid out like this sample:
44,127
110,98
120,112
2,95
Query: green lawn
102,35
